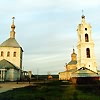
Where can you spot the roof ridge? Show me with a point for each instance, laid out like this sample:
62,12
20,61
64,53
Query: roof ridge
87,69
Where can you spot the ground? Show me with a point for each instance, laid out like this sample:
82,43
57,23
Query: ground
11,85
53,90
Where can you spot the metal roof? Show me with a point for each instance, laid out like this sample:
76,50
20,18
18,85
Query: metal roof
4,64
72,62
84,72
11,42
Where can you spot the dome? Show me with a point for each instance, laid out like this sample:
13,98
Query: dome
83,16
73,55
12,26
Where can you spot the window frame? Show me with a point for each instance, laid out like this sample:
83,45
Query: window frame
14,54
88,52
8,54
86,38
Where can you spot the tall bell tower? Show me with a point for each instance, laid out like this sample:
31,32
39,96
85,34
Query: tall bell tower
86,57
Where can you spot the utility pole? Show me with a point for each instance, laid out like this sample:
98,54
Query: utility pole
37,73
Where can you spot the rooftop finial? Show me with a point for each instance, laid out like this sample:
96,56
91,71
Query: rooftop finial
12,33
83,14
13,26
13,19
73,50
73,55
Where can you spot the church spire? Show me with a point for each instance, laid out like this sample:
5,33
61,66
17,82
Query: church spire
73,55
73,50
83,17
12,32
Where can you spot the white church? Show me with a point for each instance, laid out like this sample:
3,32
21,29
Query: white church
10,58
83,64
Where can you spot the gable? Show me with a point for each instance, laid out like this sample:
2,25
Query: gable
4,64
84,72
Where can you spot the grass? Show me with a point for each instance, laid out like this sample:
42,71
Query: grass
54,90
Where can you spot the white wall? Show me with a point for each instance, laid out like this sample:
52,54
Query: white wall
12,75
17,61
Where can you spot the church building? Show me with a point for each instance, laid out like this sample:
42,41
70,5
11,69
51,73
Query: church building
83,64
10,58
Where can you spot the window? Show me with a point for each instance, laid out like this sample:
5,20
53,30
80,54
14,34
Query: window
85,29
86,38
14,55
2,54
87,52
8,54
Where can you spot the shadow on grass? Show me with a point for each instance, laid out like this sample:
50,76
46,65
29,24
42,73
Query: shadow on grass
41,91
53,90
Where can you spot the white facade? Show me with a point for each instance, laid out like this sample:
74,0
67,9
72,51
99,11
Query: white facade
13,75
85,65
10,58
15,59
86,57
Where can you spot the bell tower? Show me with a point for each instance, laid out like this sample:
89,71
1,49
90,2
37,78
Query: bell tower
86,57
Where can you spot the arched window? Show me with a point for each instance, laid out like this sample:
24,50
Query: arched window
87,52
86,38
8,54
2,54
14,54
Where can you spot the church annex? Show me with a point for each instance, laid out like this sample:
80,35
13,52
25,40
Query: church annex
10,58
83,64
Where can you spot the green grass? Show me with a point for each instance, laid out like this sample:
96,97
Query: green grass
55,90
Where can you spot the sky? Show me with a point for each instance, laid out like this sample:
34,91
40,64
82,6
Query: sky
46,30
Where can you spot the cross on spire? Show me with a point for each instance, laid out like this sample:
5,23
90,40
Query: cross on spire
82,12
83,17
13,19
12,33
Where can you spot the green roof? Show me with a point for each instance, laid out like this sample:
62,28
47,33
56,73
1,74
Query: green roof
11,42
4,64
72,62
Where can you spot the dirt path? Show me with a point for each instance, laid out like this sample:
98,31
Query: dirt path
11,85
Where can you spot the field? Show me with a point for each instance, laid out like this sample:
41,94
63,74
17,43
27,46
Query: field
54,90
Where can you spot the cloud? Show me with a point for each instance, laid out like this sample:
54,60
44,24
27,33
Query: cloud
45,63
46,29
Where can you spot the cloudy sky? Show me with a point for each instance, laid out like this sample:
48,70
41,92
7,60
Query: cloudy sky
46,29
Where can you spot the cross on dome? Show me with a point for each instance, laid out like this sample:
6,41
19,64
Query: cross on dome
12,33
83,14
